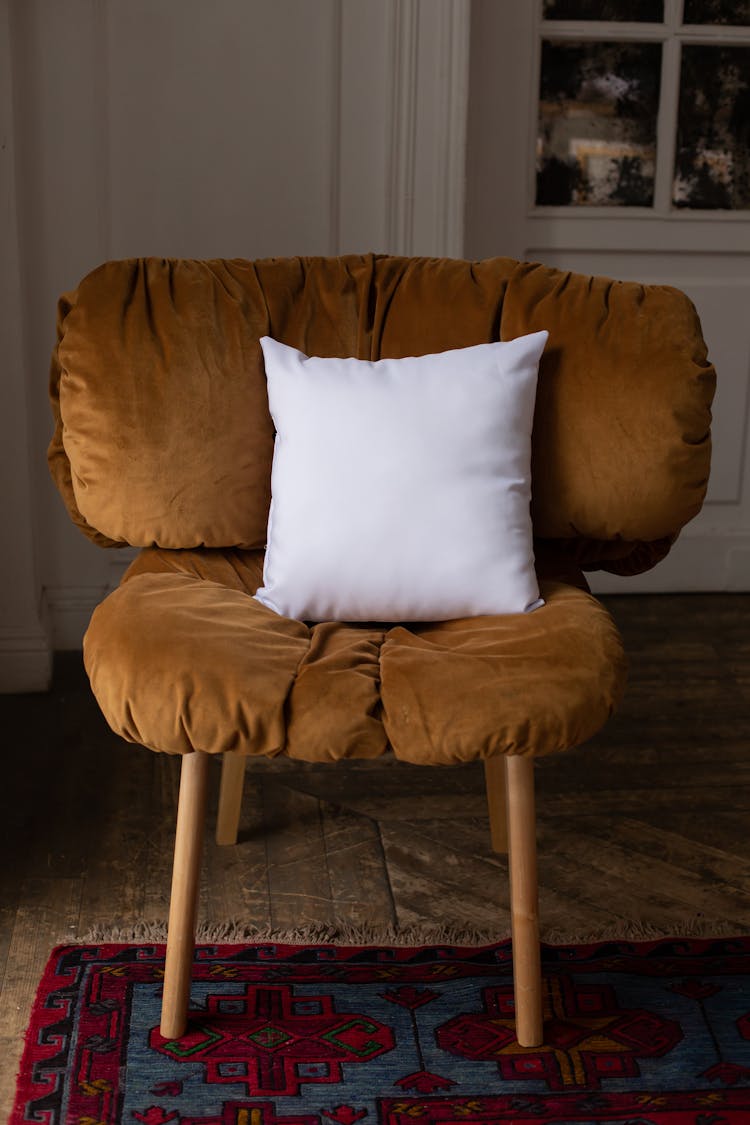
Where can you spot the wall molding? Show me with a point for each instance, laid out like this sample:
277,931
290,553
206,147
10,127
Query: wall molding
25,660
25,653
69,608
427,121
403,34
100,72
336,79
453,106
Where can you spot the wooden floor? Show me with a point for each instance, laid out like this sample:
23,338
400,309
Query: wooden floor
648,822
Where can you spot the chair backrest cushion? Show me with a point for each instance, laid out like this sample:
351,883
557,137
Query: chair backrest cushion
163,434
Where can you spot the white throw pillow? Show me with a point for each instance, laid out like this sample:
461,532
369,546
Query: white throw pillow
401,487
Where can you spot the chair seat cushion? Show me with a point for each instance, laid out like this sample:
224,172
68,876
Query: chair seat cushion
181,657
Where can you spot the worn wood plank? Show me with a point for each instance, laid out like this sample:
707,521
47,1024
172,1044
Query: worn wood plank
387,783
299,885
660,892
357,872
698,865
616,802
158,850
10,893
436,854
723,828
119,854
236,876
437,883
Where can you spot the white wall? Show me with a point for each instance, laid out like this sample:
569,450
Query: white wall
238,128
24,649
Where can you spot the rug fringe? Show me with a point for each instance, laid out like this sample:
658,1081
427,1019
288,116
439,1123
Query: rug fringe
643,930
235,931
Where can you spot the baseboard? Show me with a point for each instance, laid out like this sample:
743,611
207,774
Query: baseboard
69,609
696,564
25,661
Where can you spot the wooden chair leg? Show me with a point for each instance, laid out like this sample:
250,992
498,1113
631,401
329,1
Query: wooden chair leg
494,779
191,814
524,900
230,798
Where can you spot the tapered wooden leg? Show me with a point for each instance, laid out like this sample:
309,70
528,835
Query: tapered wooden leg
494,779
191,814
524,900
230,798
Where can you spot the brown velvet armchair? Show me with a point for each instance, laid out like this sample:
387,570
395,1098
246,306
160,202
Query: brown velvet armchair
164,441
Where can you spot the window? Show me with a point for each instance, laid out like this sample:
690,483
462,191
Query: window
645,11
644,105
735,12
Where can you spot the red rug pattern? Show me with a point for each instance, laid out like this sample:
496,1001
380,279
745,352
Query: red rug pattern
650,1033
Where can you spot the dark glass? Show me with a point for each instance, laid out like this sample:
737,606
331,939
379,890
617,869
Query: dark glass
712,161
736,12
639,11
598,103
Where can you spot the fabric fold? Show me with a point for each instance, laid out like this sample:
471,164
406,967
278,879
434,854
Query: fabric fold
181,657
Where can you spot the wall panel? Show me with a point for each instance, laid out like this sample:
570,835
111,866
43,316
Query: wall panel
246,128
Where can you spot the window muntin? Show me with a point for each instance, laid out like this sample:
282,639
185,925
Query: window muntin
650,114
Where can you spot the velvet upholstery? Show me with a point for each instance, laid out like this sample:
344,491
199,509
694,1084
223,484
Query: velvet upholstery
199,664
164,441
164,435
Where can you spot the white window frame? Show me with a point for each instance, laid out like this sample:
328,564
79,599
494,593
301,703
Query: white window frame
672,34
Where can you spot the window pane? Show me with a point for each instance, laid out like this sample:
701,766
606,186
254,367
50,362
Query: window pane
597,123
643,11
736,12
712,164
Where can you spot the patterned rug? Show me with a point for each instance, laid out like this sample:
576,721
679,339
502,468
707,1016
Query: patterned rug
647,1033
